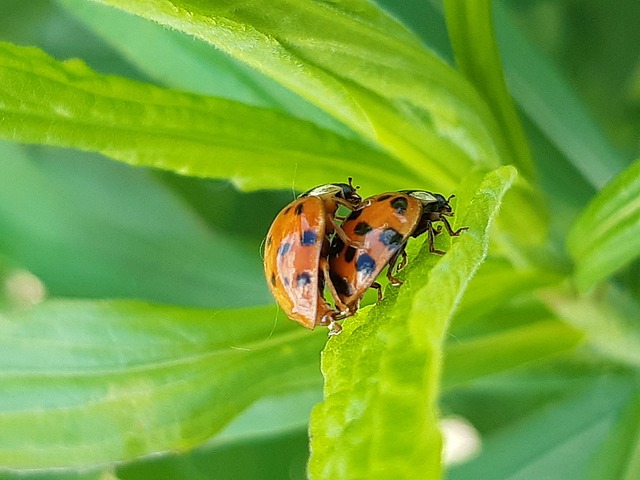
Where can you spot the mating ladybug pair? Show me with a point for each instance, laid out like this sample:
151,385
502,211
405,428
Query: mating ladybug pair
306,249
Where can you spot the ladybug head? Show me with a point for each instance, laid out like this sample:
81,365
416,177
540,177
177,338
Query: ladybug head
442,205
342,191
349,193
432,202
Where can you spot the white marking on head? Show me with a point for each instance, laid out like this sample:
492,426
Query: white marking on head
324,190
423,196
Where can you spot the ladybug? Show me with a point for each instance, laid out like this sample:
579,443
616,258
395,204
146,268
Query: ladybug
381,226
296,250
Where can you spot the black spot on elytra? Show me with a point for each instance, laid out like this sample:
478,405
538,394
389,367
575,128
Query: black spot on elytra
284,248
308,238
349,254
336,246
269,240
303,279
365,264
362,228
286,210
390,237
299,208
273,279
354,215
382,198
340,284
400,204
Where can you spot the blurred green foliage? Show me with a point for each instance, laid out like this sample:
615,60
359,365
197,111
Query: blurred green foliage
137,336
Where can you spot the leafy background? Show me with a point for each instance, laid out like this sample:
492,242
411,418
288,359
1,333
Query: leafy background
158,334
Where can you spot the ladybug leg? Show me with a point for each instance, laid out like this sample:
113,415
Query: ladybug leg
403,261
343,236
450,230
334,328
344,310
432,235
402,254
330,320
378,287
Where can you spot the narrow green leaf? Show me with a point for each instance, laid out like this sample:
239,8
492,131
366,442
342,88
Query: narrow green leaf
89,383
356,63
619,456
504,350
610,322
492,403
607,235
274,457
379,417
98,474
555,442
176,60
473,40
169,57
117,232
551,102
496,286
66,104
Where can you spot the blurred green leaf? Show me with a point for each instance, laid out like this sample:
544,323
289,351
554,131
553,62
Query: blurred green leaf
359,65
399,369
179,61
497,283
610,322
100,474
281,456
470,27
619,456
546,96
98,382
556,442
66,104
506,349
268,440
90,227
607,234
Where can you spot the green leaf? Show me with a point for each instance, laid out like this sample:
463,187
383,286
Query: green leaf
555,442
609,320
476,51
503,350
619,456
498,284
89,383
379,417
359,65
117,232
607,235
544,94
176,60
66,104
500,324
281,456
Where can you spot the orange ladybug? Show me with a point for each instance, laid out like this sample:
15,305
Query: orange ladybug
296,249
382,226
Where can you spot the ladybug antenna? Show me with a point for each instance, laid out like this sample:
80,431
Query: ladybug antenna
450,197
351,184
